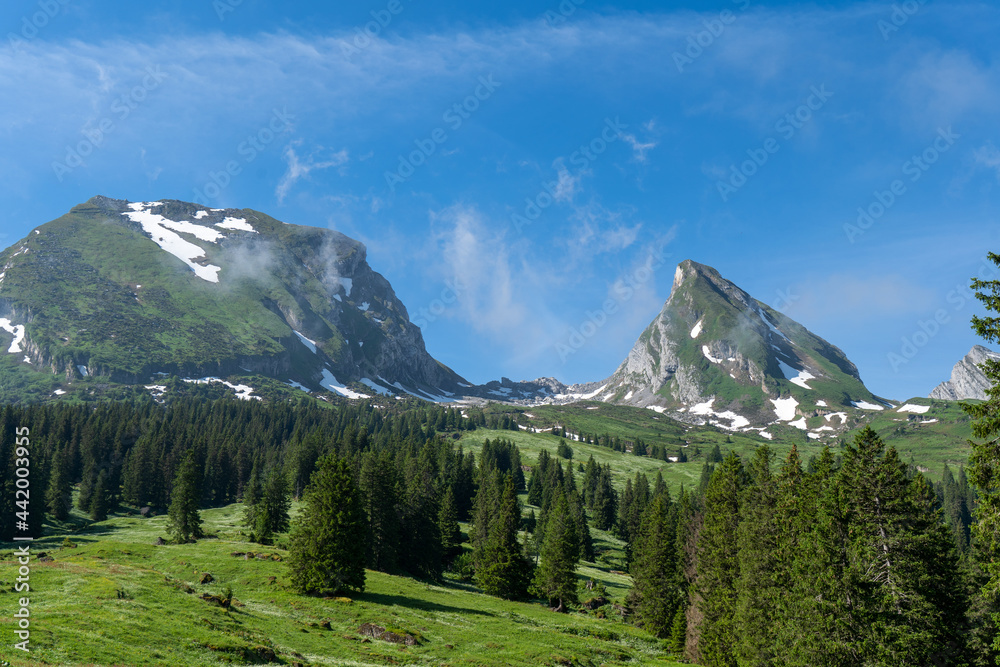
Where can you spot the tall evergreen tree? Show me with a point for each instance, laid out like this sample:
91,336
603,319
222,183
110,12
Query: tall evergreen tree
656,590
984,463
183,516
272,516
560,553
100,499
718,564
451,532
327,550
502,570
379,489
761,579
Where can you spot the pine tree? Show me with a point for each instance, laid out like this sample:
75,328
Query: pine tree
502,570
252,494
718,563
58,495
378,482
272,515
560,554
760,583
183,517
100,498
984,463
656,589
327,550
451,533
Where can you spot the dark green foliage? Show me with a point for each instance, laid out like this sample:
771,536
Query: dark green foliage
272,510
183,517
718,563
451,533
101,501
379,495
762,577
656,594
560,553
564,451
501,568
984,466
327,550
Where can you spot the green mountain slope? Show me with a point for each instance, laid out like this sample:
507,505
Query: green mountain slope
126,291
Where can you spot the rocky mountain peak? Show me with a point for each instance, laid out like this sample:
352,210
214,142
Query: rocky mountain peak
967,378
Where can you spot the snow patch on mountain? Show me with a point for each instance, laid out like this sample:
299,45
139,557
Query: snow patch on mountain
243,392
785,408
376,387
238,224
311,344
864,405
708,355
910,407
696,330
796,376
17,331
164,234
331,383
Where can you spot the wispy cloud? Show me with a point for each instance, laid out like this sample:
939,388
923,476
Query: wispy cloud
299,168
988,156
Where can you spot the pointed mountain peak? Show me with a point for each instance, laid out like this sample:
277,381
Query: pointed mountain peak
715,350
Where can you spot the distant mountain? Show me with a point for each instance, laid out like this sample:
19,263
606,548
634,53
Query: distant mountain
127,291
967,379
719,354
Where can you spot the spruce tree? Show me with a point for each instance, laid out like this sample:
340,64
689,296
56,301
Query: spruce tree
252,493
327,550
275,502
502,570
984,463
100,498
560,552
656,589
718,564
183,517
451,532
761,579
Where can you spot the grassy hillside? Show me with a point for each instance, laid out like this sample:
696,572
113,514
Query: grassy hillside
118,599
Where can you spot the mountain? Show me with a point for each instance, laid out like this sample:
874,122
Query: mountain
127,291
967,379
716,353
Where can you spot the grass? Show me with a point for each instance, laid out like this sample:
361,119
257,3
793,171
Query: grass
117,599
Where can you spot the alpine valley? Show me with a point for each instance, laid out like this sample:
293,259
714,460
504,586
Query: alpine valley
122,296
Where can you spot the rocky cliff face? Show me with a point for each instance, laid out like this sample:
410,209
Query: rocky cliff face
967,379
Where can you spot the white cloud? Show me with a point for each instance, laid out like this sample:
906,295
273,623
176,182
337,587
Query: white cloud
300,168
639,149
989,157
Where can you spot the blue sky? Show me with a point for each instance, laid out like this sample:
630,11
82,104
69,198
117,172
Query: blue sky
512,169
